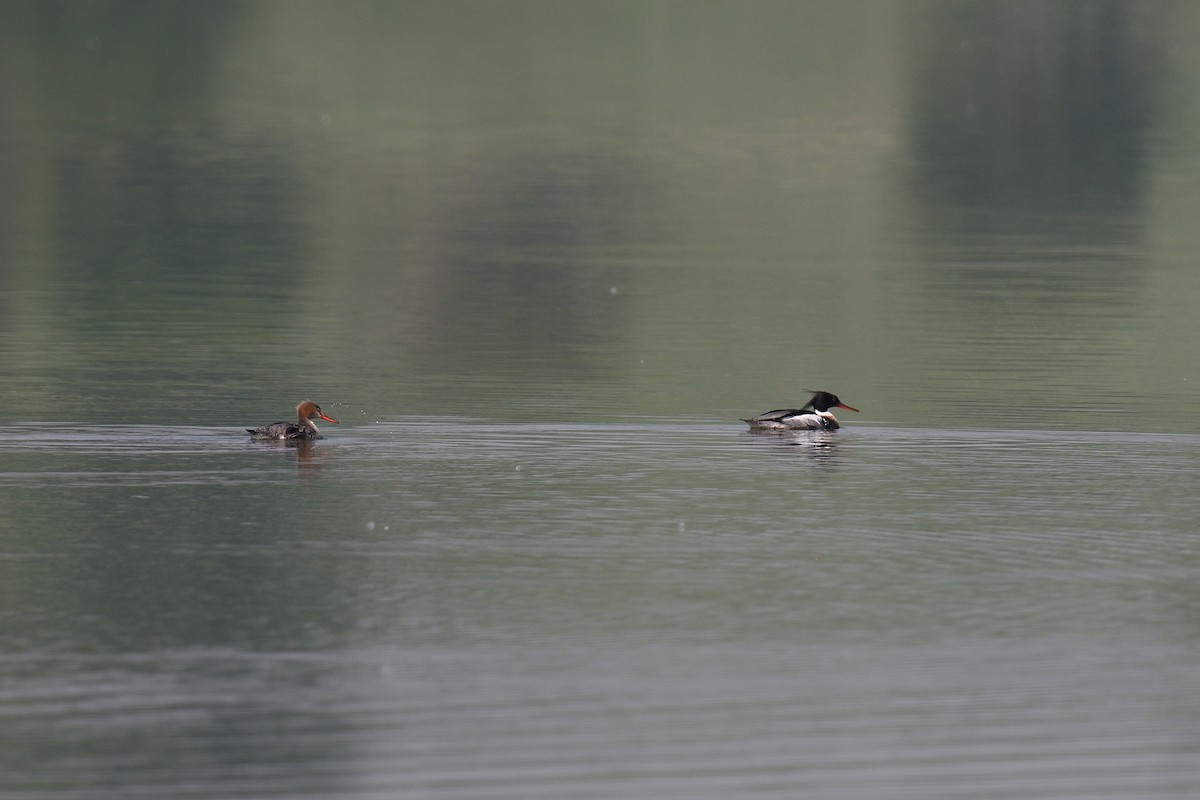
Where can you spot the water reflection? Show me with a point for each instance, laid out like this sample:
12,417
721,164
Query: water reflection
1035,105
311,456
1028,127
820,445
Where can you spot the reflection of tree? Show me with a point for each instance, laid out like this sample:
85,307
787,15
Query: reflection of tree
1034,103
1028,125
131,199
511,272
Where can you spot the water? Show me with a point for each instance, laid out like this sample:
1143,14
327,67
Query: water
418,608
540,260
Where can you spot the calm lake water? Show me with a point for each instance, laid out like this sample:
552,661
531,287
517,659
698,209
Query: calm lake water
540,259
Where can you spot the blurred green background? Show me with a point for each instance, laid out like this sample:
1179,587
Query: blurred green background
964,214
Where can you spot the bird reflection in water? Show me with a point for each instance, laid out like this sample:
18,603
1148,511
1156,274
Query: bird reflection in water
311,457
819,445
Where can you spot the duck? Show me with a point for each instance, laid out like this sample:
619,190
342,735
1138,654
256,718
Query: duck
303,429
814,416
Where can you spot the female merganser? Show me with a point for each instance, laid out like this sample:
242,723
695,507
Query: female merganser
814,416
304,428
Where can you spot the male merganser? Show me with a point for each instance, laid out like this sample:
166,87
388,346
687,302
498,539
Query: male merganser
304,428
814,416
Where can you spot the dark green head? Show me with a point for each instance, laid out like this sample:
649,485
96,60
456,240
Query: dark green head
823,401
